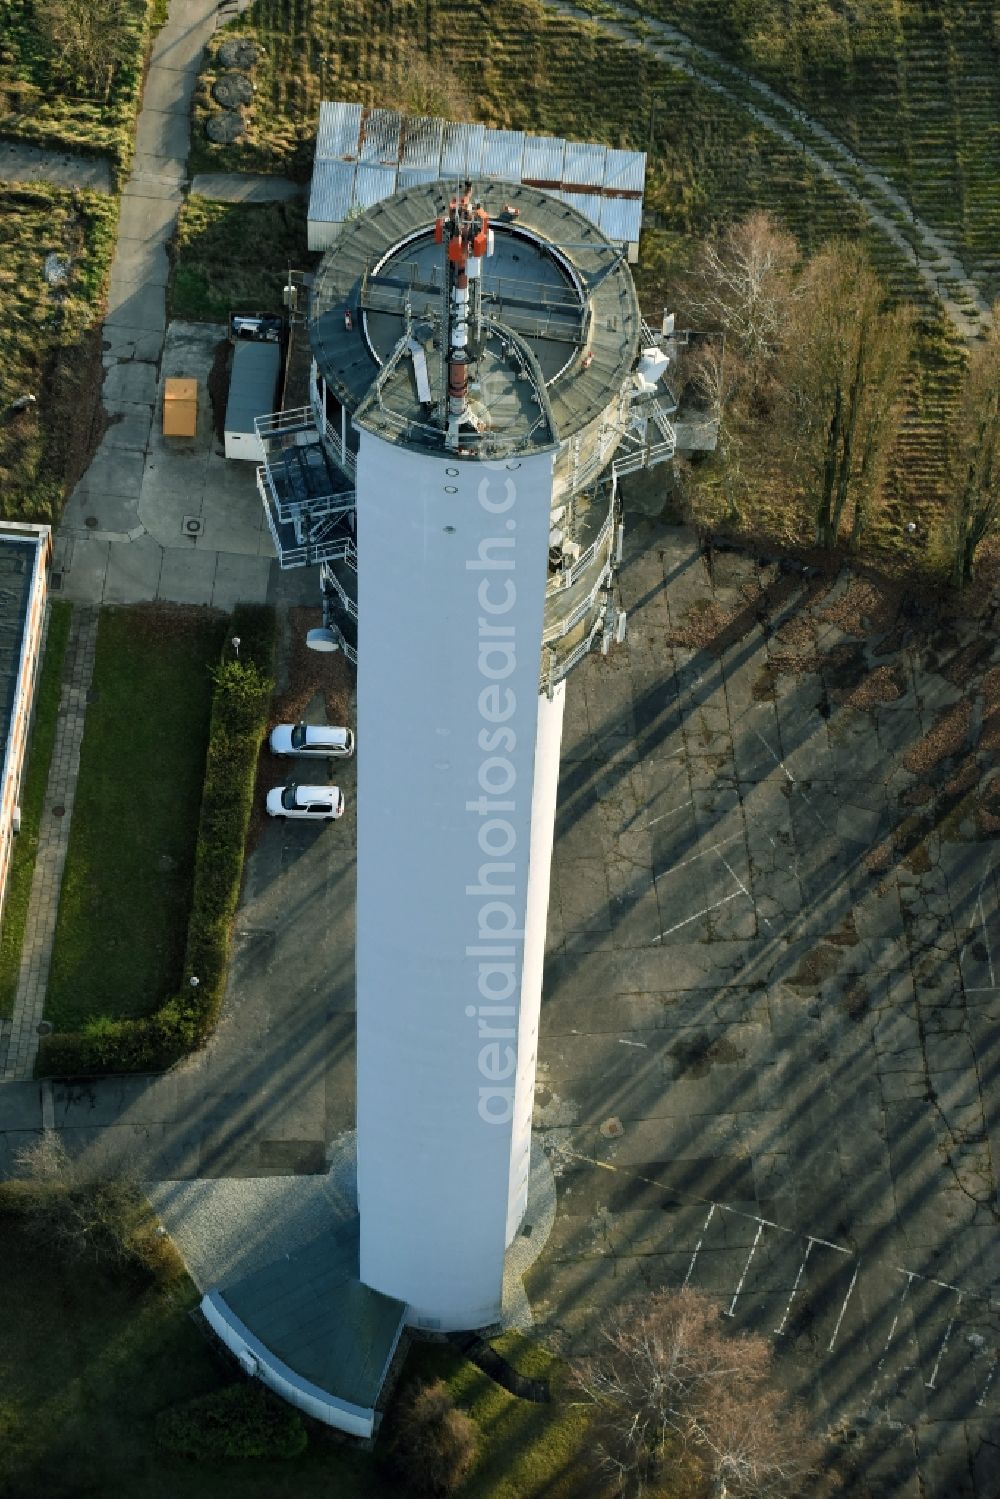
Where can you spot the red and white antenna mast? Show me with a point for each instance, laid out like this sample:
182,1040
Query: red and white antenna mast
465,233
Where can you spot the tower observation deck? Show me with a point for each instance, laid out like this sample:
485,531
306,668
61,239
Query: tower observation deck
481,381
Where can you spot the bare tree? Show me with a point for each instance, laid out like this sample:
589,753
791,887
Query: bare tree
843,374
80,1212
974,442
742,284
86,40
670,1383
716,379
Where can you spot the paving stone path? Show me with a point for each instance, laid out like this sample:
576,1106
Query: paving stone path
245,187
935,262
23,163
151,519
53,840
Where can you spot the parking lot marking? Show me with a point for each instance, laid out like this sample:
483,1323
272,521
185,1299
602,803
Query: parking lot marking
704,1230
715,1208
810,1241
792,781
688,919
761,1224
743,887
673,813
989,1380
930,1383
910,1277
843,1309
980,988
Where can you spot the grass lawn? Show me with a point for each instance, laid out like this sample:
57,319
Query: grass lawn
229,256
53,102
50,339
126,892
88,1358
36,775
524,1449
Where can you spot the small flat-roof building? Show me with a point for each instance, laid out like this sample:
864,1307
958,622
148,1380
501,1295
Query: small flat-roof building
25,551
307,1327
252,387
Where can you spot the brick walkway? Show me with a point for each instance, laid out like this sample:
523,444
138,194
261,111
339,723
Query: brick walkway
36,953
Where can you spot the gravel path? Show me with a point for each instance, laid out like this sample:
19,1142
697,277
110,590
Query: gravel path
934,261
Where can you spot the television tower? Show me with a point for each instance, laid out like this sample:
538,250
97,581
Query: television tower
481,381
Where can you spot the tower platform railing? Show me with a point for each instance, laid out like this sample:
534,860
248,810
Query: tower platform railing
306,540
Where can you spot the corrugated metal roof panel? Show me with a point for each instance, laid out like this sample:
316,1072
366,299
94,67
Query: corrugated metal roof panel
339,128
422,139
543,158
372,184
414,176
621,219
462,150
332,191
625,171
586,203
503,153
584,164
380,136
428,147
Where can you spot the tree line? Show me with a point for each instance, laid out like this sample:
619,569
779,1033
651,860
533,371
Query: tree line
809,383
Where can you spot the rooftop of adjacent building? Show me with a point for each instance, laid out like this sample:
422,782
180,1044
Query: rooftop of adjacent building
364,155
19,549
560,328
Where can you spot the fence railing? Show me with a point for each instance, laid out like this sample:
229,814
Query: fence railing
563,626
570,575
335,502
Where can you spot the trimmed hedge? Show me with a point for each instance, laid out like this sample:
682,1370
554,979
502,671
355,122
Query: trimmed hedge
241,1420
240,705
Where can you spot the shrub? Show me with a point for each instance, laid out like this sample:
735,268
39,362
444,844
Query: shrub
82,1212
434,1443
240,704
242,1420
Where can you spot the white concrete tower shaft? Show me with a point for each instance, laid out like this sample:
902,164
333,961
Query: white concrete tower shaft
456,802
481,342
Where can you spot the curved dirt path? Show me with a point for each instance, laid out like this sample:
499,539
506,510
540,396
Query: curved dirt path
934,261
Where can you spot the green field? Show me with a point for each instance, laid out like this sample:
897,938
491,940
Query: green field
80,96
228,255
912,86
50,339
90,1356
126,893
36,775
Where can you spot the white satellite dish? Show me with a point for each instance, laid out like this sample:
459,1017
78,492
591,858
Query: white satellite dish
322,639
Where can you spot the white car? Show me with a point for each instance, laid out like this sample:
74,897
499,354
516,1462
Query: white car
318,803
312,741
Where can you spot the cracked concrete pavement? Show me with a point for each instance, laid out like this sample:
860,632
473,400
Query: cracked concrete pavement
770,1033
